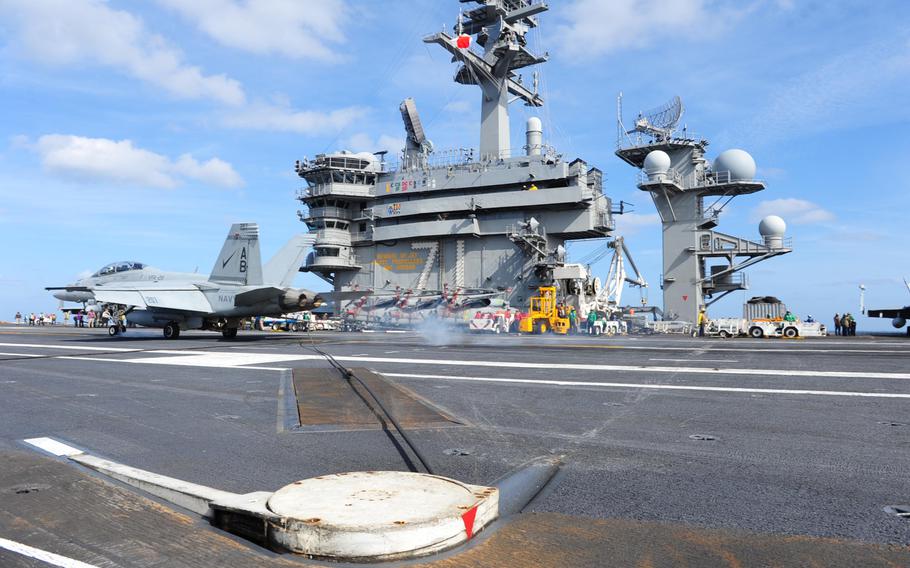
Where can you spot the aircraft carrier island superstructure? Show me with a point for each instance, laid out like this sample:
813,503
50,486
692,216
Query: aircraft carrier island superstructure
700,264
494,220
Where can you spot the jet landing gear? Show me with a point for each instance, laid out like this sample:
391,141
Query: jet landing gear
116,330
171,331
229,332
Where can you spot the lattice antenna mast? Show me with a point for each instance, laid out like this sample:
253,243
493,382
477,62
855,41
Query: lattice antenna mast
499,28
417,146
660,122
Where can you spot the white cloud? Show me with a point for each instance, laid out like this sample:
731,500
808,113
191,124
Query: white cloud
119,161
67,32
631,223
300,30
212,172
796,211
596,27
282,117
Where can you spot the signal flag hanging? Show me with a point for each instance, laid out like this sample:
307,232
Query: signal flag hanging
463,41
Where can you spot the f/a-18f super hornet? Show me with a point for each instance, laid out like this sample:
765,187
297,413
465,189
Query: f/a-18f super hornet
122,271
238,287
899,316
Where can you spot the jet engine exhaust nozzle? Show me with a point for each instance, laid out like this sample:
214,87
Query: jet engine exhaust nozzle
293,300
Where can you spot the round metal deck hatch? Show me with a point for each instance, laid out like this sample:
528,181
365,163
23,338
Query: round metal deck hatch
379,515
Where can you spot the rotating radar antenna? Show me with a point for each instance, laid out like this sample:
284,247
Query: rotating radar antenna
660,122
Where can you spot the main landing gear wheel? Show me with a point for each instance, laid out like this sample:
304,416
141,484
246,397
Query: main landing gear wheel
113,330
229,333
171,331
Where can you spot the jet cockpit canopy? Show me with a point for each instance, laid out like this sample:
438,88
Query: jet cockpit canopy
122,266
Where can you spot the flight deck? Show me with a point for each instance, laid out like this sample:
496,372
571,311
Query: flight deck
672,450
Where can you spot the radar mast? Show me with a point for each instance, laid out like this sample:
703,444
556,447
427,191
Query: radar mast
499,28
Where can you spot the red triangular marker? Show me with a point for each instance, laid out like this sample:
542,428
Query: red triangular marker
685,298
468,519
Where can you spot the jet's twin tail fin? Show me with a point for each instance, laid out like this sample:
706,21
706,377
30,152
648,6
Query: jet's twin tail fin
239,262
284,266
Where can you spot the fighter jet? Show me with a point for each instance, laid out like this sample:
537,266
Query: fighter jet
899,316
238,287
122,271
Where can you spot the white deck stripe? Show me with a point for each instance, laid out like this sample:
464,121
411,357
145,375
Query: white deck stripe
20,354
234,359
169,362
42,555
648,386
696,360
779,373
74,347
54,447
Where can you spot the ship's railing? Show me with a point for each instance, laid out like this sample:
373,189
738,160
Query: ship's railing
627,140
360,236
438,159
693,181
603,220
345,162
457,157
730,279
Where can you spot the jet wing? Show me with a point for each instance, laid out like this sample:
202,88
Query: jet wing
187,298
69,288
890,313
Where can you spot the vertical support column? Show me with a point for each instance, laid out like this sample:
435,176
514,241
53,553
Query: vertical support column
494,121
682,268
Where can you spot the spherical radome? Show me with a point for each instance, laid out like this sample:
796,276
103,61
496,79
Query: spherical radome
656,162
772,226
534,124
738,162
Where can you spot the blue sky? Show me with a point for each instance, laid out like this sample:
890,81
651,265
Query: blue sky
141,130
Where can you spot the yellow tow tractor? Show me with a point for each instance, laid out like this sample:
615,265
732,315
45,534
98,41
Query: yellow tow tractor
543,315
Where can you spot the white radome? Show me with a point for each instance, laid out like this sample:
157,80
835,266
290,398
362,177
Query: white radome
772,226
738,162
656,162
534,125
